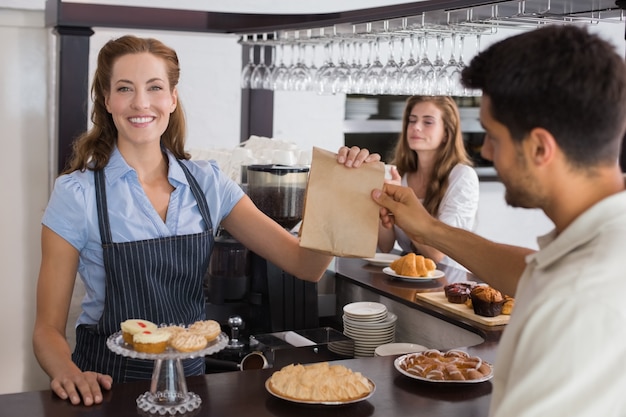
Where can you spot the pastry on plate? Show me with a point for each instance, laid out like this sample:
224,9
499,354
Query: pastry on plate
319,382
132,326
151,341
453,365
188,341
210,329
412,265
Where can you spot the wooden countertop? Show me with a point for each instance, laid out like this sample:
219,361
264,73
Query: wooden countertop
359,272
243,394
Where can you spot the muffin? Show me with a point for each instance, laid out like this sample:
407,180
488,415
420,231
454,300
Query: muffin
458,292
151,341
486,301
509,303
131,327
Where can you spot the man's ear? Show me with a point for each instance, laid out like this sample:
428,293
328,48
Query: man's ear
541,146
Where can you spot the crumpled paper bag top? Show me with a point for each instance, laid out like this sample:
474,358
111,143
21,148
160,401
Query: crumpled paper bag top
340,218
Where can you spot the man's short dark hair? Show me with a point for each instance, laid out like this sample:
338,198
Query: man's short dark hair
561,78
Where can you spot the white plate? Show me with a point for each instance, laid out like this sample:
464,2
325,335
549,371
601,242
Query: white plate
433,275
365,309
369,332
374,342
397,364
391,349
382,259
277,395
379,318
386,322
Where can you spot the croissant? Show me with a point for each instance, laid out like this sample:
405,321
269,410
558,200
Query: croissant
412,265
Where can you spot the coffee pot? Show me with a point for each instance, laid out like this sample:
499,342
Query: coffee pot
228,277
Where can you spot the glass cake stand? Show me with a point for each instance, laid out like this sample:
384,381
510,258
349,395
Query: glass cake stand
168,388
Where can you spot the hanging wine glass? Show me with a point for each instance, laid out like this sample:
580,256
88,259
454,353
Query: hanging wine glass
423,84
449,73
359,77
279,76
390,74
341,76
434,78
325,72
461,65
249,67
373,81
312,65
260,72
267,81
299,74
355,66
408,67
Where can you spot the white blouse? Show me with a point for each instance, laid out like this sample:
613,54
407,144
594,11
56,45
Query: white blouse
458,208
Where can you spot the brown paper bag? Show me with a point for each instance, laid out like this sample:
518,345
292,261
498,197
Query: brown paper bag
340,218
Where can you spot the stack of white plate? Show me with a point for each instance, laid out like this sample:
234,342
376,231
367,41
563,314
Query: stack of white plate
370,325
361,108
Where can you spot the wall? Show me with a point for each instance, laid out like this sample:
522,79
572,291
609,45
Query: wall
210,90
24,172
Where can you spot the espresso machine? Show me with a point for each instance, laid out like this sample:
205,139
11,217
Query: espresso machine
242,283
280,300
267,311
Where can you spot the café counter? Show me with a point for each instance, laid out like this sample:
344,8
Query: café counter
243,393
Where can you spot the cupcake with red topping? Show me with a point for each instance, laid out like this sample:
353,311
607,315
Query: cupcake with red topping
131,327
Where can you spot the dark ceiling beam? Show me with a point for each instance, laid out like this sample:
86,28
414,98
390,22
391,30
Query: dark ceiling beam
59,13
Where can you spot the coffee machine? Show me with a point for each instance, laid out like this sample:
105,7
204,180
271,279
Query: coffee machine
240,282
227,283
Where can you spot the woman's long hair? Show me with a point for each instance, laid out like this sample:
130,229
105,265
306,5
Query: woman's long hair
451,151
92,149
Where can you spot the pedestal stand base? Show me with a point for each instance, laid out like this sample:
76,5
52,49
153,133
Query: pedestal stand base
168,388
152,403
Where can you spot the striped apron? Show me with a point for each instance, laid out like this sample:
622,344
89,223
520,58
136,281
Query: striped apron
159,280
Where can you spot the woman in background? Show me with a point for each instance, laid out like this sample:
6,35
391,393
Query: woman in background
431,159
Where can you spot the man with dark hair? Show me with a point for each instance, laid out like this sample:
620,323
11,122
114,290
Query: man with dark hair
554,114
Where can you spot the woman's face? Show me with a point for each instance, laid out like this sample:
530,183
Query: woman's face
140,100
425,130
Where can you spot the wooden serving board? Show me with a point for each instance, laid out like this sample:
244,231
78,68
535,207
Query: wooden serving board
439,299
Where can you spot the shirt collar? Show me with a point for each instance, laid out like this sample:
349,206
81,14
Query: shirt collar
118,168
582,230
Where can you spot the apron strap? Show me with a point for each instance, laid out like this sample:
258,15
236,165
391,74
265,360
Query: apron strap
203,206
103,213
